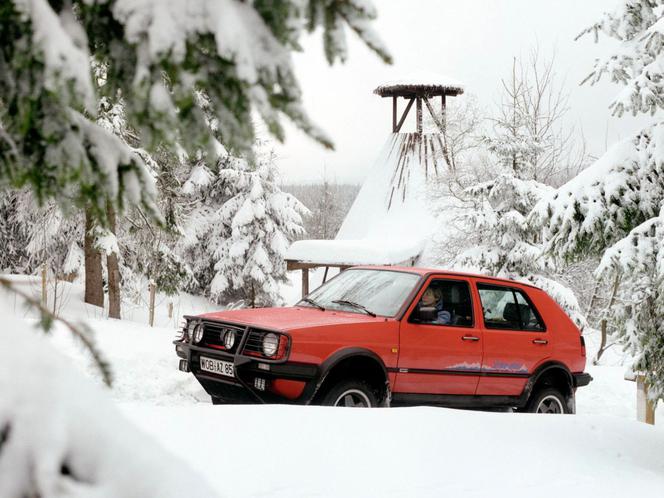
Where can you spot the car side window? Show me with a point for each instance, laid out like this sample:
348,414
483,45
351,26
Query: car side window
530,320
451,300
507,308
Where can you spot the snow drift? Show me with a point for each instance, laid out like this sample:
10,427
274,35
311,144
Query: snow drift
60,435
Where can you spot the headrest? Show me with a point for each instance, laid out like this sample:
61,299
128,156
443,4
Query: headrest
511,312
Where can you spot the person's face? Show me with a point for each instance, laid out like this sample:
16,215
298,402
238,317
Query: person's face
428,298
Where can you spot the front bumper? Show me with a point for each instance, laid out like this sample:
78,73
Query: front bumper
255,380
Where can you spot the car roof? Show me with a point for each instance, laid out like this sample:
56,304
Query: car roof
441,271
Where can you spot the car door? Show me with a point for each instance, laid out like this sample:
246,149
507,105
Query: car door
515,339
441,358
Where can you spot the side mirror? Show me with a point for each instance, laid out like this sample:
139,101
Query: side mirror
425,314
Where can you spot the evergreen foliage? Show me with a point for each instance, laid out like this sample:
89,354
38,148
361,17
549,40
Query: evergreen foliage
187,72
613,209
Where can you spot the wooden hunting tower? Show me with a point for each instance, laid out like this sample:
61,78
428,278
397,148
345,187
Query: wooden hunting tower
417,91
390,222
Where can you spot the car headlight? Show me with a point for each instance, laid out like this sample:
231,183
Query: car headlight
229,339
198,332
179,334
190,328
270,344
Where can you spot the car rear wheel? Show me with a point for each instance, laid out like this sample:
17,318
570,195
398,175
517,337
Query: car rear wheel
549,400
351,394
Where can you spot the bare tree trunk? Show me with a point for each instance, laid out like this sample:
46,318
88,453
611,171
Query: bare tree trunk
94,284
44,297
113,271
602,345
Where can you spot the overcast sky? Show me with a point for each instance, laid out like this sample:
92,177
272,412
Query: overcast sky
473,41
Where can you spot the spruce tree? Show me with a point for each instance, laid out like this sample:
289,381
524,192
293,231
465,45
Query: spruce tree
241,231
614,208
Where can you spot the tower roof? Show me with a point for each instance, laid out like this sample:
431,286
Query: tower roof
421,84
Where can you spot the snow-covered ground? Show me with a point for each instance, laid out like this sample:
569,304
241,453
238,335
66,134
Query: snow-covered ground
277,451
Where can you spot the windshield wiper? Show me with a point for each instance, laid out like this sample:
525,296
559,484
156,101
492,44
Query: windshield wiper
313,303
355,305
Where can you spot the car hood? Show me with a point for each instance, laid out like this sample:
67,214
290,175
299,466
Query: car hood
290,318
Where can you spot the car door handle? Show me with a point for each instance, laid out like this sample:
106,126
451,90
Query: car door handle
470,338
540,341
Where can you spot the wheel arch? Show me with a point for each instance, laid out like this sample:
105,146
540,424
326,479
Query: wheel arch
359,363
550,374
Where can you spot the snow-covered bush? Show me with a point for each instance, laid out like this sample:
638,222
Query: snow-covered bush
61,436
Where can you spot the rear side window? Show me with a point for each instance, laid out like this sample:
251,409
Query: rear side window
508,308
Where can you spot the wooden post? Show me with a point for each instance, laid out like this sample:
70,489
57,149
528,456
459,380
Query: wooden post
419,115
325,274
170,309
305,281
44,296
645,409
394,114
404,115
153,290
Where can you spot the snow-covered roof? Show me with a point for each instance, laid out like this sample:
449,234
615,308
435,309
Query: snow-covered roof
421,83
389,223
353,252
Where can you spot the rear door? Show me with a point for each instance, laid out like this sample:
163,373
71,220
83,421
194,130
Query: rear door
441,358
515,339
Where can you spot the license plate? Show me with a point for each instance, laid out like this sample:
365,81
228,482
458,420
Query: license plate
217,366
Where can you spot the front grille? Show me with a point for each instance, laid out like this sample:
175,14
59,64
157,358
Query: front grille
254,342
213,333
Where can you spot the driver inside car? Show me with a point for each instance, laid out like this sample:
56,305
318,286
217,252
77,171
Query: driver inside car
433,297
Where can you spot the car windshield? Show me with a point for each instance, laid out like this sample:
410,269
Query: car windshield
377,291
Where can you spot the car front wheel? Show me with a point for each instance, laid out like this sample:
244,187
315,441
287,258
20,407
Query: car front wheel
549,400
351,394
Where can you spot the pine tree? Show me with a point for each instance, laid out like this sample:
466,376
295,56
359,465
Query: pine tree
614,209
242,230
188,73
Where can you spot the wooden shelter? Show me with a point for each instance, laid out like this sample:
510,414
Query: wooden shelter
388,237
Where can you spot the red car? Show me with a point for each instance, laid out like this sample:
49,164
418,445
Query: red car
390,336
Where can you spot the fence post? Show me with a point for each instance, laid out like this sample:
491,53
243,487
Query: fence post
153,289
645,409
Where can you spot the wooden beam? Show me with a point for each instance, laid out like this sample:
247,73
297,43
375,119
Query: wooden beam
305,281
419,116
293,264
394,114
403,116
325,274
443,112
439,125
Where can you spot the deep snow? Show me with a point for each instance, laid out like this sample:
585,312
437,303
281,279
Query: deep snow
313,451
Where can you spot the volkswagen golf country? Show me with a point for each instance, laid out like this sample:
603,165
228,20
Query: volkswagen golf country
393,336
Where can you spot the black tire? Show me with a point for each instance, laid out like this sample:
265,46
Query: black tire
351,393
548,400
